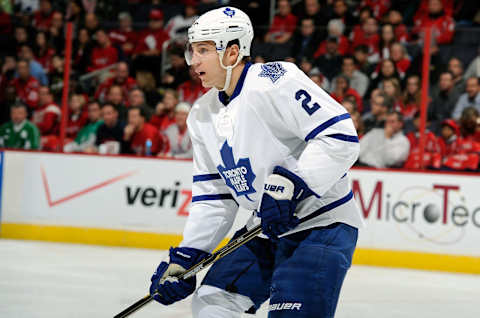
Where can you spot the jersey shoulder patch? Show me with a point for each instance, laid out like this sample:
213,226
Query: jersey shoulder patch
272,70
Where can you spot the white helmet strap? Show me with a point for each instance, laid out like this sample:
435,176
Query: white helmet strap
229,68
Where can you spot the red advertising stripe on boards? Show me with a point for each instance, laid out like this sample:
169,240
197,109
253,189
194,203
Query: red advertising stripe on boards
81,192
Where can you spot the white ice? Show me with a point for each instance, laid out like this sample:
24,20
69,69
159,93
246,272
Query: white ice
39,279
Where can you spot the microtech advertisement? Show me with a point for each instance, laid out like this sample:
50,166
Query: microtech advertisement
429,212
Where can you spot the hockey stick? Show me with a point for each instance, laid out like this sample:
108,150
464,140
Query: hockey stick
192,271
230,247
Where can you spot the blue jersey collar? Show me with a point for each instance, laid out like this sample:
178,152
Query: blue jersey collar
224,97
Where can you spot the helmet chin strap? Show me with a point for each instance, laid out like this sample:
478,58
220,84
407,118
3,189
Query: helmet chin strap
229,69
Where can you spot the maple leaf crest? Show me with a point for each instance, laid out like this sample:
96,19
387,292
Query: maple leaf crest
238,176
272,70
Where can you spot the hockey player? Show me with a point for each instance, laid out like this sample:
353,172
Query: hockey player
268,139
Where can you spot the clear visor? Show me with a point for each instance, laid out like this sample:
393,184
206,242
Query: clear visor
198,50
188,53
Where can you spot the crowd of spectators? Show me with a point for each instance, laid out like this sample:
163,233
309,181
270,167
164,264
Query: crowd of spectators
131,90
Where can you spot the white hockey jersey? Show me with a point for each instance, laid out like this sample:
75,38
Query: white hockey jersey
275,116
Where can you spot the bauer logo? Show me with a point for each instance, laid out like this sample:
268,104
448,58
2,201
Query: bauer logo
439,213
285,306
274,188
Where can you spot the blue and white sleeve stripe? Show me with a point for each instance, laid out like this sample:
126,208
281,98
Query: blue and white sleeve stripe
332,121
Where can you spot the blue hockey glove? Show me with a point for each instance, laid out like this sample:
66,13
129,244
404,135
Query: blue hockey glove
166,285
283,190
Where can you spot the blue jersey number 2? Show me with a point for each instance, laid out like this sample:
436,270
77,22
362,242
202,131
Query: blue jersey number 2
305,101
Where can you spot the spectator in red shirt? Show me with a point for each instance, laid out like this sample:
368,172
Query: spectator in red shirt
44,52
343,89
26,86
47,118
431,147
466,149
283,24
401,32
77,116
424,9
411,97
378,7
398,54
448,139
192,89
42,18
124,37
104,54
367,35
177,143
391,88
151,39
148,50
165,111
335,29
120,78
142,138
442,24
387,38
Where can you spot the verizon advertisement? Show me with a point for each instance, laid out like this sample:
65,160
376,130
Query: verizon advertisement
144,195
434,213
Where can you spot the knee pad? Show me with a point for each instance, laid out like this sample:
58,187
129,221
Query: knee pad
213,302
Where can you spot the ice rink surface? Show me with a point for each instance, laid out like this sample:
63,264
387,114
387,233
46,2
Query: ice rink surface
51,280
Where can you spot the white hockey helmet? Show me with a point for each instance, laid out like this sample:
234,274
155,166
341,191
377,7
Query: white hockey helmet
221,26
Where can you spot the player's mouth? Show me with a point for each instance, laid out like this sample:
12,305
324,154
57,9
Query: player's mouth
200,74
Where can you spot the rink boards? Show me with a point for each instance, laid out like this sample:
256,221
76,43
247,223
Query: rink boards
414,220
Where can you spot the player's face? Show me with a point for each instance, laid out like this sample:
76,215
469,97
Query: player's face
206,64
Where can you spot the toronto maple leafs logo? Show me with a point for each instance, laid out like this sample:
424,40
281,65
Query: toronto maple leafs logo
273,71
238,176
229,12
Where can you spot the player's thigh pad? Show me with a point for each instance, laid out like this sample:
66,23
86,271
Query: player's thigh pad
246,271
213,302
308,283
